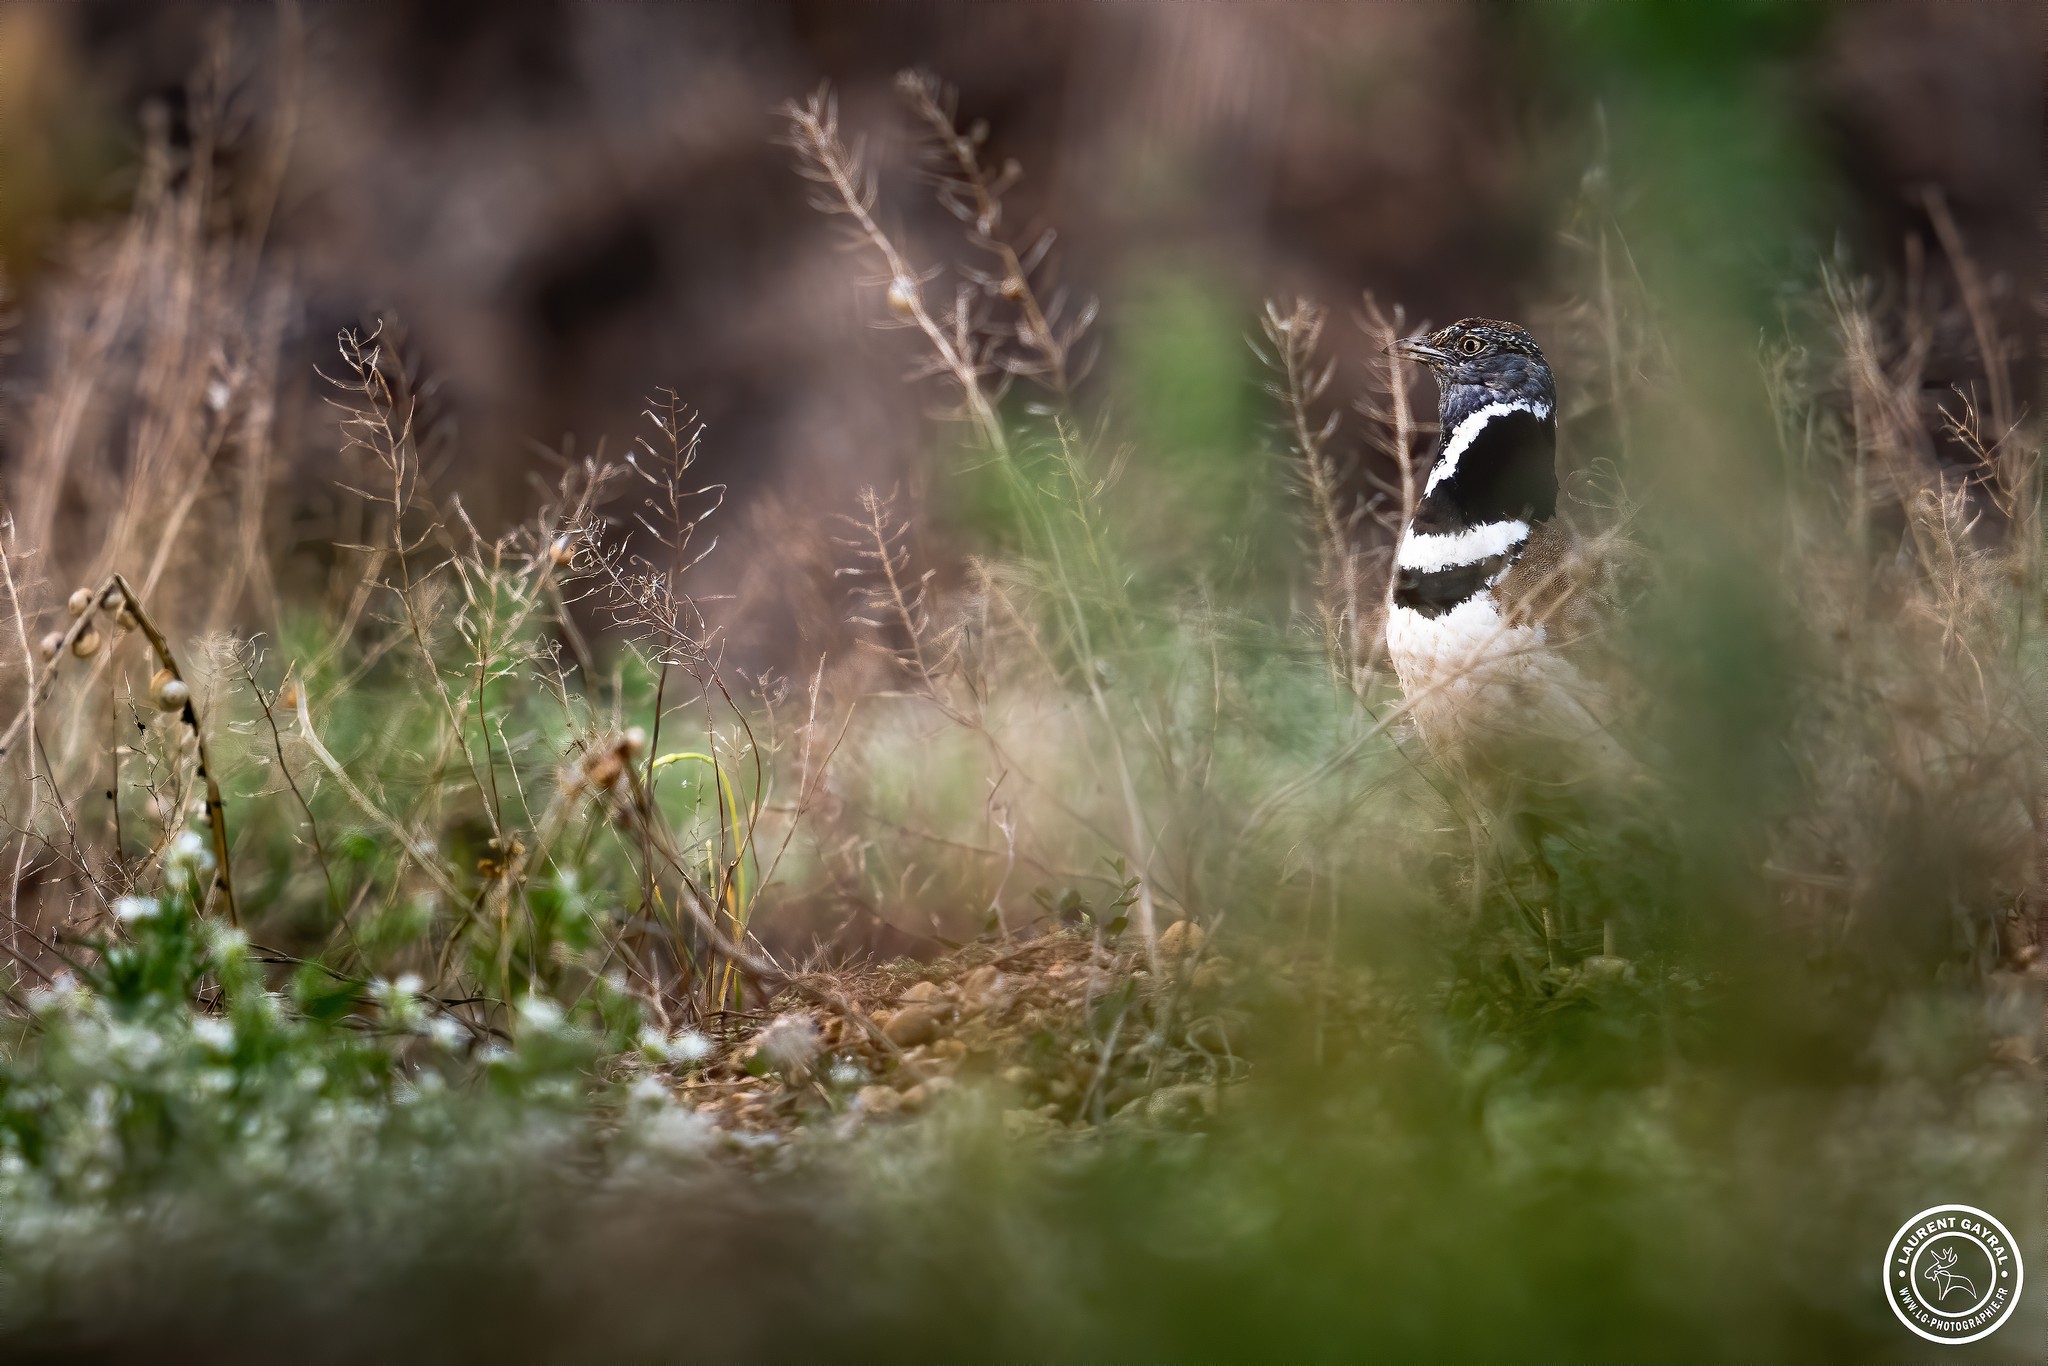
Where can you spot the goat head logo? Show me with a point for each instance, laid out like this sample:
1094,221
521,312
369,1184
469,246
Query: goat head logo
1941,1270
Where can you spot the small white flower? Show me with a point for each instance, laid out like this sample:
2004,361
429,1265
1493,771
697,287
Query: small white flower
553,1091
538,1012
130,909
446,1031
401,1008
680,1132
846,1074
223,940
408,984
63,989
214,1032
136,1045
186,861
654,1044
648,1091
687,1045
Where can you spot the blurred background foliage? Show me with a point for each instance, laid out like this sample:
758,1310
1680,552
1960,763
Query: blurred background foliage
1460,1138
569,207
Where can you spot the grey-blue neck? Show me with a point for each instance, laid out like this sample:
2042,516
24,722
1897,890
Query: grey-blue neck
1507,378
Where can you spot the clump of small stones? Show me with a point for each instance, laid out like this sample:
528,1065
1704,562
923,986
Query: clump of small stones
1069,1030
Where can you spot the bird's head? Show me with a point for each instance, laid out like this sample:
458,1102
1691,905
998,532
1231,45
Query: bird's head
1479,360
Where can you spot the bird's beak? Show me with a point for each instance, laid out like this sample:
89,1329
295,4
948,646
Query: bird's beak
1419,349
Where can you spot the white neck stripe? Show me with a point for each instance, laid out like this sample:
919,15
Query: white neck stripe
1467,431
1428,550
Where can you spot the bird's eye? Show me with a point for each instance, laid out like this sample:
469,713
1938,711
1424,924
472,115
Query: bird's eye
1471,346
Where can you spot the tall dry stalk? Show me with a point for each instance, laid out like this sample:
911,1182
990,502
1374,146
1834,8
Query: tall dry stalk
1302,378
1393,428
969,350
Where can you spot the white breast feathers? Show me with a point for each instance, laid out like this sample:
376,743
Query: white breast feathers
1471,676
1447,661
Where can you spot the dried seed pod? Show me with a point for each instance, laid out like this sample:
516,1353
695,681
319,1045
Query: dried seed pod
124,620
903,296
87,643
51,643
113,601
633,741
562,552
603,768
288,697
168,691
80,602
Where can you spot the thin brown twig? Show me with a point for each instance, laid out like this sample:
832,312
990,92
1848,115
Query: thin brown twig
216,808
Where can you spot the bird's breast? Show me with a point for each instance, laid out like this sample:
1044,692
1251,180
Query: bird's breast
1456,652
